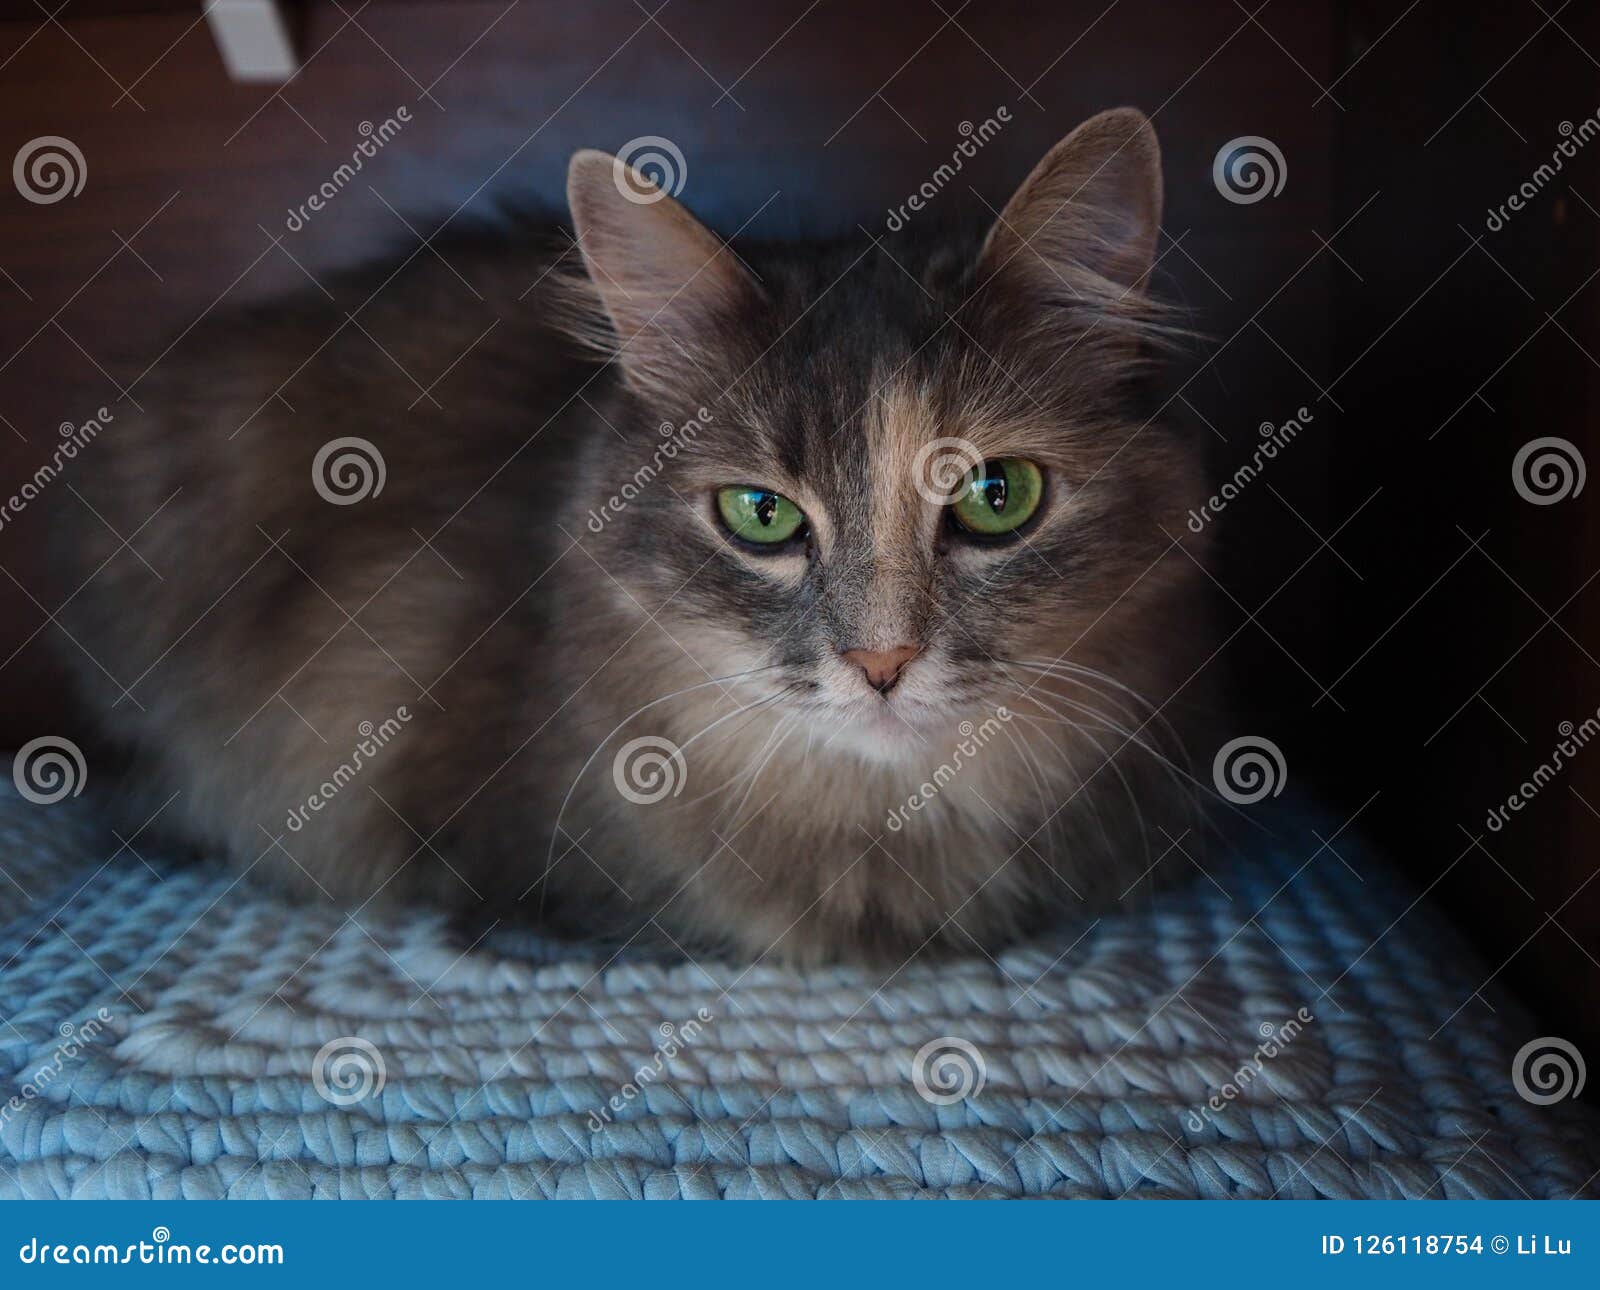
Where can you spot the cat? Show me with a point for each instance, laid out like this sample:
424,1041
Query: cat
821,602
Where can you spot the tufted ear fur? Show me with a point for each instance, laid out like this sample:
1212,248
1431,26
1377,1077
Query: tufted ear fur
1091,206
666,282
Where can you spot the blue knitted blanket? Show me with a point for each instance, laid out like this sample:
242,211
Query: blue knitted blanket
1289,1024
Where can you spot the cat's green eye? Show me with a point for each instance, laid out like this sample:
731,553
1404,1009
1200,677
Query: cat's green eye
999,496
759,515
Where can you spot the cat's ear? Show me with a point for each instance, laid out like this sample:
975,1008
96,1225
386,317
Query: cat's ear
1093,204
666,281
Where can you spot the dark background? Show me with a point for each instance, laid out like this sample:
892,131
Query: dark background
1406,627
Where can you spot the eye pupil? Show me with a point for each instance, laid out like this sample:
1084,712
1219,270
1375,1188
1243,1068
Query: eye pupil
994,488
765,507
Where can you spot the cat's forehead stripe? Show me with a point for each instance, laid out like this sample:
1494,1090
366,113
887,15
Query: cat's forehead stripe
899,424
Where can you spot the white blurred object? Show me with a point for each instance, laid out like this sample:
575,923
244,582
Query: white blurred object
253,37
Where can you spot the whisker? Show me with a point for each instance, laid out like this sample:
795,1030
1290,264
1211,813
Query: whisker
1055,746
1199,794
786,727
1176,773
739,775
1112,726
555,828
1075,671
1111,761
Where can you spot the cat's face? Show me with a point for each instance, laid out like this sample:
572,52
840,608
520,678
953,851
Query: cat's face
892,481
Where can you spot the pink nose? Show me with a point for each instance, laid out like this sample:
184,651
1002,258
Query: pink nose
881,666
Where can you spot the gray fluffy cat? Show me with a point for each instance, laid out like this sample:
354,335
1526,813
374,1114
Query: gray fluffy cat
818,601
